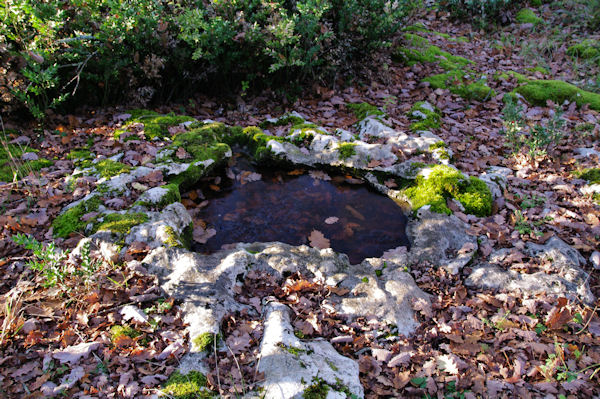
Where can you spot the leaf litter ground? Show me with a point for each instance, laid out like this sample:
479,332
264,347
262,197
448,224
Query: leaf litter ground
470,344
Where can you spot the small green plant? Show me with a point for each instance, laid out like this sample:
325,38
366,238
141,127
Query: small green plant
540,328
535,140
521,223
512,115
532,202
542,136
48,260
556,368
88,265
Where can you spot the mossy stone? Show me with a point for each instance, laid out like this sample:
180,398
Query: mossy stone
539,92
284,120
204,341
155,124
423,52
108,168
432,118
71,220
346,150
318,390
443,182
121,222
456,83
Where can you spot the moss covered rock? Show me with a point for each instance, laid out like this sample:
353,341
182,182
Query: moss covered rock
155,124
457,83
538,92
72,219
420,51
117,332
121,222
108,168
435,185
425,115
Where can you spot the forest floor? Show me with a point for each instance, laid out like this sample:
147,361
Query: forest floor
473,344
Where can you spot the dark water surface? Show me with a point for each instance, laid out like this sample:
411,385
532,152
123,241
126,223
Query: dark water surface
287,208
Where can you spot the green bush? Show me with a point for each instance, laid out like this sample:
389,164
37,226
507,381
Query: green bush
147,50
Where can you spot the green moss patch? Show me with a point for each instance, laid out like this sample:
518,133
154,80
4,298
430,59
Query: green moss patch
202,143
12,166
108,168
586,49
592,175
508,74
363,110
284,120
71,220
423,52
528,16
346,150
318,390
539,69
117,332
173,238
121,222
432,118
538,92
444,182
456,82
204,341
187,386
79,155
155,124
422,28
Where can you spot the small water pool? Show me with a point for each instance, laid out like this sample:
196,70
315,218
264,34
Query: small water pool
257,204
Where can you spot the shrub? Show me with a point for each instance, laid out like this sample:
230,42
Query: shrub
151,49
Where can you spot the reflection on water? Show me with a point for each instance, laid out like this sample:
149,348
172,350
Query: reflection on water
288,207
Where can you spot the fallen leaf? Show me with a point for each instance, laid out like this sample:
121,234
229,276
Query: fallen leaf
130,312
181,153
201,235
318,240
72,354
319,175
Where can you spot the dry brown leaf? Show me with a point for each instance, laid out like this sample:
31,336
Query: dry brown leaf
318,240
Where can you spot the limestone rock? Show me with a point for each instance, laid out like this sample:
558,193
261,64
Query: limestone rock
153,195
373,127
103,241
566,278
291,365
590,189
441,240
162,226
388,297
